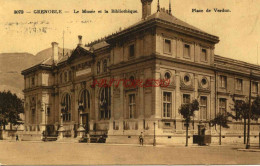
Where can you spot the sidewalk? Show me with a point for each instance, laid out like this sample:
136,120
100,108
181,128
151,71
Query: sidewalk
239,147
249,150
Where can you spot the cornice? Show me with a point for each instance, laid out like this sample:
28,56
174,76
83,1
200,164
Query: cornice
36,68
38,88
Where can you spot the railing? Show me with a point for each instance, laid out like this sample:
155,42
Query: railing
130,125
32,128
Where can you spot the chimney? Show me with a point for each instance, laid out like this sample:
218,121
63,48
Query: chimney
80,40
146,8
55,52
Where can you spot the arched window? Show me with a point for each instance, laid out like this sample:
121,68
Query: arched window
70,75
66,76
85,99
98,67
167,76
131,83
105,65
105,103
66,104
132,78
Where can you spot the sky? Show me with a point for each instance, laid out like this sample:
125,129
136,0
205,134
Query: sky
238,30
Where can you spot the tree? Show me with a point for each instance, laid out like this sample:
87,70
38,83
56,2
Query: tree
222,121
256,108
187,111
241,109
10,108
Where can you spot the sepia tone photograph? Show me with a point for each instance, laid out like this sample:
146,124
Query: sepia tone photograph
129,82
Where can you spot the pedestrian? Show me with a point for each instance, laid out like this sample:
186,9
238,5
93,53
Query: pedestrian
141,139
17,138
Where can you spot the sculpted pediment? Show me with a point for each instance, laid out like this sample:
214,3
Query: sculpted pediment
80,52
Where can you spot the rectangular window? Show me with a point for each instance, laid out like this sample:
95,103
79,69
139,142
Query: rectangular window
33,81
48,111
203,107
167,104
222,106
186,98
167,46
223,81
255,87
239,84
66,117
131,106
132,50
33,116
186,51
204,57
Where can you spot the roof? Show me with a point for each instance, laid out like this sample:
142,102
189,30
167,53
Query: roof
167,18
224,62
100,45
48,62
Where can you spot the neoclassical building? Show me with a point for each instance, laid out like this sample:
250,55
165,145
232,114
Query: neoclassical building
65,95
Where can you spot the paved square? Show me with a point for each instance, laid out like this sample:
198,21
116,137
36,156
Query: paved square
50,153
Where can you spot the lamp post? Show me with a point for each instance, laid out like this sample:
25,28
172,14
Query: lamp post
61,129
249,113
154,139
45,123
80,109
44,105
81,128
61,115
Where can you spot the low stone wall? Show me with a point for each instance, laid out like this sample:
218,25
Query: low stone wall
176,139
31,136
160,140
10,134
234,139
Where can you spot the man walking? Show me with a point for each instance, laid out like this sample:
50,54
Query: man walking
141,139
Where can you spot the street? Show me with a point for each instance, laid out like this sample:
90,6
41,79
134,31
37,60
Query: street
58,153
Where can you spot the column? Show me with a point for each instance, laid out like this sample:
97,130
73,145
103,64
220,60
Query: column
178,95
212,108
178,99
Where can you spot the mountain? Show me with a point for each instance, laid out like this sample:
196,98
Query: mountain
11,65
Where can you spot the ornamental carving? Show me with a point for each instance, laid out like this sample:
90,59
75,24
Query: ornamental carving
204,83
187,81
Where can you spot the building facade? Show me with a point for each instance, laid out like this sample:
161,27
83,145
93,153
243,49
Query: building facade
87,91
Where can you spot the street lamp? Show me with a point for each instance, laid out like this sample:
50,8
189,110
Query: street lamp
154,140
61,129
249,112
81,128
45,123
80,109
45,111
63,110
